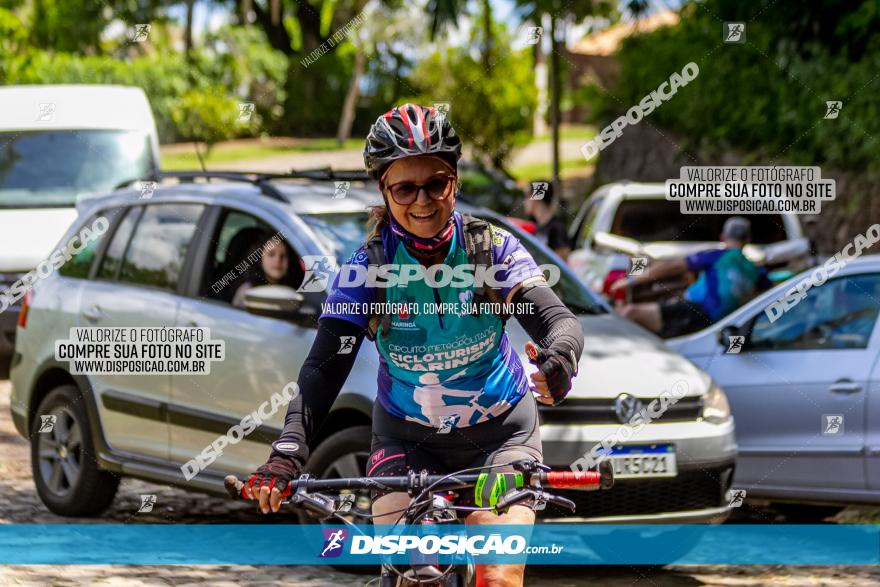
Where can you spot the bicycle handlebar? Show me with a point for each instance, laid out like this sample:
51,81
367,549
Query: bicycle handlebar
583,480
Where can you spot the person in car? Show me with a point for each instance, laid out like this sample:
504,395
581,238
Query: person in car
452,394
550,227
726,280
271,268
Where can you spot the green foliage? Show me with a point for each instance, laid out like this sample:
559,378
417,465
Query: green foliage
172,83
316,93
13,38
209,116
766,96
67,25
491,110
163,79
241,58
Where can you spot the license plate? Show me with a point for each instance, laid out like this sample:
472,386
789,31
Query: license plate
636,462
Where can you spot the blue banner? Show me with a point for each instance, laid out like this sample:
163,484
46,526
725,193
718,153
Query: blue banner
546,544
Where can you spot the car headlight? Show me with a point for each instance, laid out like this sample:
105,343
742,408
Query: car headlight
715,407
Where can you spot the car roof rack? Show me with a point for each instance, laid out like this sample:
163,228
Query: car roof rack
329,173
258,179
262,180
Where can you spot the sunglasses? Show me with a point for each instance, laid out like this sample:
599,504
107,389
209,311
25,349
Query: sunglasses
407,192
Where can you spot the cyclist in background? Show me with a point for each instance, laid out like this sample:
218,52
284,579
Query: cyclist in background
726,281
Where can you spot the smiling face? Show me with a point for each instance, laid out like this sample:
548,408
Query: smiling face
274,263
424,217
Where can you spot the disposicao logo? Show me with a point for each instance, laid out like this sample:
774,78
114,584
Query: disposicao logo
334,542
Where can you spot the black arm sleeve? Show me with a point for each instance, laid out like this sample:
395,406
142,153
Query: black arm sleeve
550,323
321,378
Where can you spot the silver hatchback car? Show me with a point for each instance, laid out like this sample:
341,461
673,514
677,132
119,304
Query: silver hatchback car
160,264
804,385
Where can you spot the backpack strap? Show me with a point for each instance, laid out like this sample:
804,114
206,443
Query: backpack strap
375,250
478,244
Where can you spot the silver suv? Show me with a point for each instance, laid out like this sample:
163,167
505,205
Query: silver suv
160,264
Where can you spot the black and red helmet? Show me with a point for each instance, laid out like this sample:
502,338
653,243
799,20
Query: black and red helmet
406,131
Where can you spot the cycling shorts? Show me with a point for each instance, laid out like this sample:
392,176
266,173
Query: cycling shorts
682,317
399,446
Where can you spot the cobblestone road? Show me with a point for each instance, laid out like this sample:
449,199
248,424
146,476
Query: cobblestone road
19,504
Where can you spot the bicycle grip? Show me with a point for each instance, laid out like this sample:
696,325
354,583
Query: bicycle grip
603,478
573,479
235,488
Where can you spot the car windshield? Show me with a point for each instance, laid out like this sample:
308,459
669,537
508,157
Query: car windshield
53,167
344,233
651,220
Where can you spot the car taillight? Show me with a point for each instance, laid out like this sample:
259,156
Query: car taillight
613,276
25,306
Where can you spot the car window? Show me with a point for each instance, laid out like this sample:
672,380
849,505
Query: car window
654,219
245,256
839,314
342,234
158,247
79,264
113,255
82,162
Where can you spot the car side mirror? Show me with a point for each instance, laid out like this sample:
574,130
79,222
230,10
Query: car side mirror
275,301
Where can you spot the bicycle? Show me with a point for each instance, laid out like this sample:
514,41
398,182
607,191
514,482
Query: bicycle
432,503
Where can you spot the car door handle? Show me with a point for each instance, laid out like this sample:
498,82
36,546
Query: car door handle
845,386
93,313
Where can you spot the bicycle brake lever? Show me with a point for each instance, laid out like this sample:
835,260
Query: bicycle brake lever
314,502
529,466
513,497
560,501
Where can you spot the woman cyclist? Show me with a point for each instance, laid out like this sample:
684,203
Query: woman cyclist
453,394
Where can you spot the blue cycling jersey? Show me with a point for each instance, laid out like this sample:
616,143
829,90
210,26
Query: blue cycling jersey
727,280
452,370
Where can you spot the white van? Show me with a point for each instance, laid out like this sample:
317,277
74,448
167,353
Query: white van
58,144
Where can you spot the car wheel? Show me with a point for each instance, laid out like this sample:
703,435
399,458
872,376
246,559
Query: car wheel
797,513
63,459
344,454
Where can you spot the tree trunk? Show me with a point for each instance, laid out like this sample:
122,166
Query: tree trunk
188,31
349,107
276,34
304,83
539,120
488,40
554,103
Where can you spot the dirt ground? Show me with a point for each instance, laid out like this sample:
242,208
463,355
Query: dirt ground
19,504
